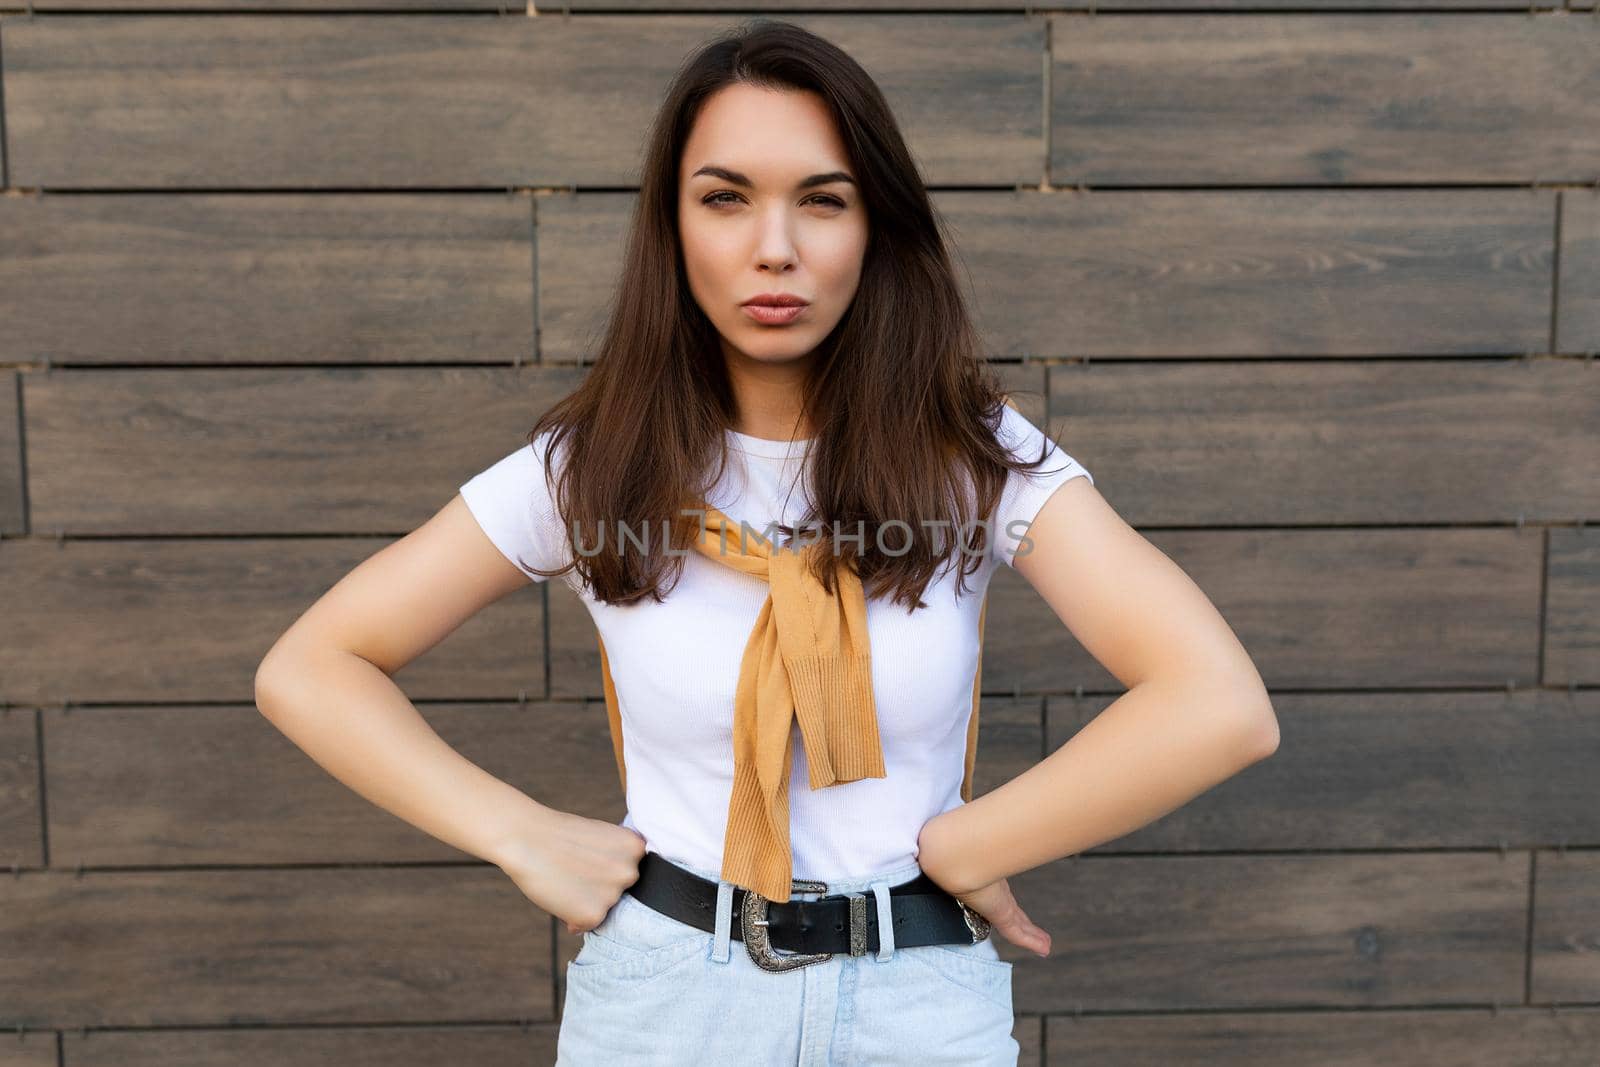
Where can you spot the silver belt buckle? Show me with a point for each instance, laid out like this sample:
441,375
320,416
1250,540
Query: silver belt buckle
975,922
753,927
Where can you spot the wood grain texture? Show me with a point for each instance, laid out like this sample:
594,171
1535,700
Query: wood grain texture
442,101
1572,608
12,507
1320,442
1392,770
1566,929
281,451
1207,933
36,1048
189,620
1578,322
1451,1036
138,786
246,947
355,1046
1323,99
1284,273
21,822
264,278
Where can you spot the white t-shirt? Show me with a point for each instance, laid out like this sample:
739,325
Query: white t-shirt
675,664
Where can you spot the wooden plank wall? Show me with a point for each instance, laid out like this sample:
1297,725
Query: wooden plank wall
1314,290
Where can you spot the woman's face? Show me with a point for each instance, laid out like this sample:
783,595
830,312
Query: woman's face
768,204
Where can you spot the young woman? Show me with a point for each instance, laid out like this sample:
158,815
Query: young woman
781,492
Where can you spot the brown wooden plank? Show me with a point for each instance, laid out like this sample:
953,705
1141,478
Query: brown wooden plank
285,6
1258,273
30,1048
1320,608
244,947
138,787
1566,929
1572,607
276,278
259,102
190,620
409,1046
1321,99
1578,318
1392,771
269,451
21,840
13,507
1212,443
1181,933
1450,1037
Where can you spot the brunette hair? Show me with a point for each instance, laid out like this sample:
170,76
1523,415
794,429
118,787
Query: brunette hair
905,407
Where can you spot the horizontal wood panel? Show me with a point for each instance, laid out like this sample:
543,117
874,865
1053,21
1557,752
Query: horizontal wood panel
21,843
190,620
1578,323
1176,933
245,947
645,7
1323,99
1566,929
12,508
269,451
1392,771
1258,273
316,278
385,944
407,1046
358,278
1448,1037
1572,608
1257,443
1148,274
1223,443
264,102
138,787
29,1049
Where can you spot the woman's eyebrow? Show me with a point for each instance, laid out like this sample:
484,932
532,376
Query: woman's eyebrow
739,179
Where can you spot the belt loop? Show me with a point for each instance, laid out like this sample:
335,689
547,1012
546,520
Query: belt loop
885,921
724,923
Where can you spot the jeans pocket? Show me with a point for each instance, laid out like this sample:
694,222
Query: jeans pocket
976,968
637,943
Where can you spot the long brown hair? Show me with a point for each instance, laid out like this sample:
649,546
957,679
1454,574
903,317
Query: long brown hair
905,407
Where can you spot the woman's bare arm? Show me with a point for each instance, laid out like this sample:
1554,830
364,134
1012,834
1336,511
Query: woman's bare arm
327,685
327,682
1195,712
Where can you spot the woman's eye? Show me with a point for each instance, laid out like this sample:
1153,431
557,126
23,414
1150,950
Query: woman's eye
731,198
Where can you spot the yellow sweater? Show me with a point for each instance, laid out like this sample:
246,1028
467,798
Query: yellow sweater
808,658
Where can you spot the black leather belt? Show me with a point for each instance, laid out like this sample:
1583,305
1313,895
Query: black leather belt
811,930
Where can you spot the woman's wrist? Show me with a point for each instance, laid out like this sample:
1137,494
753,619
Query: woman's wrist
527,825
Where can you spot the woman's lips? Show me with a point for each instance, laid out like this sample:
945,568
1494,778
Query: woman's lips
771,315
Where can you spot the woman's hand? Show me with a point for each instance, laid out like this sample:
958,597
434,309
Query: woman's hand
573,867
993,901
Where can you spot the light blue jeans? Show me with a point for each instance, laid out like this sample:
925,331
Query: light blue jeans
649,989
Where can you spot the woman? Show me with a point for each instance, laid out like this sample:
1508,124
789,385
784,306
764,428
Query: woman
788,366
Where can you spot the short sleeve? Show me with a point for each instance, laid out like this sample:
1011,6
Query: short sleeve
1025,493
511,501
